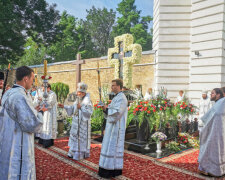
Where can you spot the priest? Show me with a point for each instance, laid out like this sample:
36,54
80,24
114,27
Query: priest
19,120
80,133
111,157
49,129
212,138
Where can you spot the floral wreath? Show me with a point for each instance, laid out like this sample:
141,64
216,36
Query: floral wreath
128,61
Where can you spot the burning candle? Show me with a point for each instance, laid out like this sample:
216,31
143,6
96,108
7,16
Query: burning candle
45,67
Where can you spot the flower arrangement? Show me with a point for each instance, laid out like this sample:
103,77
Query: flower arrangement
173,146
186,140
46,77
128,45
159,136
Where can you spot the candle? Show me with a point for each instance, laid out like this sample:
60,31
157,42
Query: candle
45,67
36,80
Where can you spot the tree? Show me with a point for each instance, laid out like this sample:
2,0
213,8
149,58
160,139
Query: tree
33,54
131,22
98,25
22,19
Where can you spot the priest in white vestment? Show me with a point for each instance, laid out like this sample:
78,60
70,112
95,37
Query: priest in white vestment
204,105
212,137
111,157
49,129
181,96
80,132
19,120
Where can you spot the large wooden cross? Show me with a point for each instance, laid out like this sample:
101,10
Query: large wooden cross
123,56
78,63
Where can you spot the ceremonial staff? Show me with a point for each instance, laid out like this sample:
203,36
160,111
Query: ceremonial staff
99,87
6,78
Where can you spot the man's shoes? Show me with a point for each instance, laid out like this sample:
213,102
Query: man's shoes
69,156
203,173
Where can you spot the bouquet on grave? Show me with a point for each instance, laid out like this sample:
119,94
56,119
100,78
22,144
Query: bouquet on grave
159,136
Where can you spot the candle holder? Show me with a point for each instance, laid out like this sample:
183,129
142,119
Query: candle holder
45,83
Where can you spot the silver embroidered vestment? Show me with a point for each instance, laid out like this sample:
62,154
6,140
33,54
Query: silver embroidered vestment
111,157
80,133
49,129
18,123
212,140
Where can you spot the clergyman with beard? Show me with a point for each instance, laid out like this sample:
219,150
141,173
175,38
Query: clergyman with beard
212,137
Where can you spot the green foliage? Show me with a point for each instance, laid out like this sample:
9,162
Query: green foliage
131,22
98,25
97,118
61,90
22,19
34,54
173,146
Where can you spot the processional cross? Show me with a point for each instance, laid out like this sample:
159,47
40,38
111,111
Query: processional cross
123,56
78,62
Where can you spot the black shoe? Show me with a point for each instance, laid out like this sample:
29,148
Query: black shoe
70,156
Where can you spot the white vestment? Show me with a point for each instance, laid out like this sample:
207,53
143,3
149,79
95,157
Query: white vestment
111,157
180,98
49,129
18,123
148,96
204,106
212,140
80,133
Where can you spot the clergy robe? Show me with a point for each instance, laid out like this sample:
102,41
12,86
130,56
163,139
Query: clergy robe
111,157
204,106
18,123
49,129
212,140
80,132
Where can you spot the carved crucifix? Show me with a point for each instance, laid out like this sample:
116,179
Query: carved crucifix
123,56
78,63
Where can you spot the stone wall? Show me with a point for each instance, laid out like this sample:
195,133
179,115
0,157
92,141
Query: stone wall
143,73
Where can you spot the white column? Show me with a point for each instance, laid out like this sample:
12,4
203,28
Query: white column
171,41
207,47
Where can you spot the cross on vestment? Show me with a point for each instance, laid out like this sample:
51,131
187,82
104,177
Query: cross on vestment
78,64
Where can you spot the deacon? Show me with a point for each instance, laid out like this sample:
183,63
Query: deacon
19,120
111,157
80,133
204,105
212,138
49,128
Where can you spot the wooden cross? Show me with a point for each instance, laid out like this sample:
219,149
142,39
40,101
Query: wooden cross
78,62
123,56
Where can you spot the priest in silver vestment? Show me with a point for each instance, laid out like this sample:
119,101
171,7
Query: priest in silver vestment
204,105
19,120
212,137
80,132
49,129
111,157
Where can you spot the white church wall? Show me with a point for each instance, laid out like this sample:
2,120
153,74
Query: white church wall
206,69
171,40
189,40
